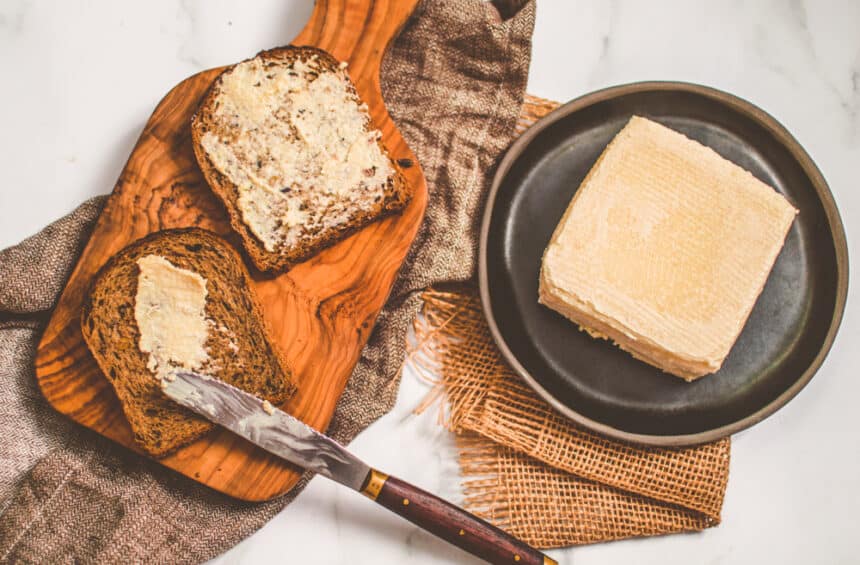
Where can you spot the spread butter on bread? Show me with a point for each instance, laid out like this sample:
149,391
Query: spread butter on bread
170,312
664,249
285,142
178,299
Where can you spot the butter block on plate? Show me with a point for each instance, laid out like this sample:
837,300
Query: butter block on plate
664,249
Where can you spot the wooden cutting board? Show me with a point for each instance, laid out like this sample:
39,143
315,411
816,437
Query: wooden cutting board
321,311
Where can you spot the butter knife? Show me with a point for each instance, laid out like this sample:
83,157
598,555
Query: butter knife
279,433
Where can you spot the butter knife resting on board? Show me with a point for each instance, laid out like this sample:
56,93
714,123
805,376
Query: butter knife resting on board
279,433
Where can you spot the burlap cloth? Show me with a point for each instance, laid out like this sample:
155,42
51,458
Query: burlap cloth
534,473
454,83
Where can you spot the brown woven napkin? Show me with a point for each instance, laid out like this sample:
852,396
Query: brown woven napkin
533,472
454,82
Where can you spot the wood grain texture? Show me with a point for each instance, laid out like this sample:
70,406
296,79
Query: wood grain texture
456,526
321,312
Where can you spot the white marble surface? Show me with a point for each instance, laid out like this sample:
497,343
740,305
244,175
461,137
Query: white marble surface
80,78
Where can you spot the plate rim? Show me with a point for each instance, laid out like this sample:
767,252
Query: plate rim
810,169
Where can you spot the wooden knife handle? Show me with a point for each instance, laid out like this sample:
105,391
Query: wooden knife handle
449,522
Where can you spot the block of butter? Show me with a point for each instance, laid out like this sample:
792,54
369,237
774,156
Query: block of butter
664,249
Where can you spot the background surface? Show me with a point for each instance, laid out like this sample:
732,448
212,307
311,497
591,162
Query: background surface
80,79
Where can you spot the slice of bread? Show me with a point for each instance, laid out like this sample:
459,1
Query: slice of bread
285,142
664,249
237,348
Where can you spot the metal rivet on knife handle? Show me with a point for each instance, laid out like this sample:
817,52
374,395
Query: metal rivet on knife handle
375,480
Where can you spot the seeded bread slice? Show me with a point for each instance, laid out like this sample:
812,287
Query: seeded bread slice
238,347
226,162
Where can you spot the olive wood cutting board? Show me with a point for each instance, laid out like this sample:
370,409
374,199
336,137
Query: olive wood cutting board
321,312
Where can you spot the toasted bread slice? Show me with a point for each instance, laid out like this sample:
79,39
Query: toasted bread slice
235,343
664,249
287,145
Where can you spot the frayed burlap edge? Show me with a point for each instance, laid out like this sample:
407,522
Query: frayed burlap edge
547,507
531,471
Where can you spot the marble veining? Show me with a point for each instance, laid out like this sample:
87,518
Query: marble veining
13,14
186,51
846,91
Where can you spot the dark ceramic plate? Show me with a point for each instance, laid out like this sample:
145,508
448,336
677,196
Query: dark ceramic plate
787,335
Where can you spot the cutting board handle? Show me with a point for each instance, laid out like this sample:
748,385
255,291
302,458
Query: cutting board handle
356,31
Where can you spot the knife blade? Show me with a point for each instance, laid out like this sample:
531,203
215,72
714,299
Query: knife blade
272,429
287,437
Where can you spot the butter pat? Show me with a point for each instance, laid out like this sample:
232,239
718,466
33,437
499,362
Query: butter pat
664,249
268,408
170,311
